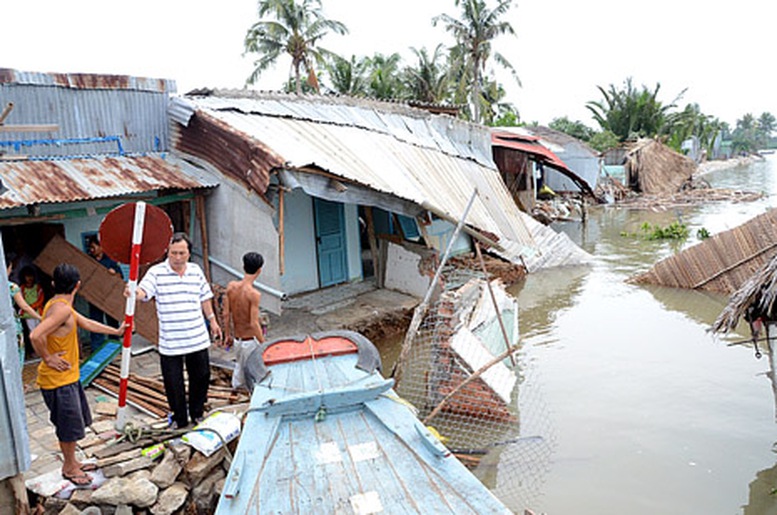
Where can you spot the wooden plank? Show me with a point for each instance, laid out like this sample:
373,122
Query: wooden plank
29,128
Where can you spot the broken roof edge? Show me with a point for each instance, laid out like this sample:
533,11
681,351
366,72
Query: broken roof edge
9,76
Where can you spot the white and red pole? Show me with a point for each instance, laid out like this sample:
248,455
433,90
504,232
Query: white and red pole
129,312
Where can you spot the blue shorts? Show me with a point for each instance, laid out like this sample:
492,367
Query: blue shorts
69,411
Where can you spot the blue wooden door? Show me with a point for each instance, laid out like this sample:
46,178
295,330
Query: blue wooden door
330,242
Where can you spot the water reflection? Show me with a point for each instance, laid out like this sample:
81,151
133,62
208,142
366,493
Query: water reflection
652,414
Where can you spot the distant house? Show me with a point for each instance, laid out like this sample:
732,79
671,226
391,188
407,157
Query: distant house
526,164
582,164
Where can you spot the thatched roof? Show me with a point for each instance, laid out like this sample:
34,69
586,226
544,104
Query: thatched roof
652,167
758,295
722,263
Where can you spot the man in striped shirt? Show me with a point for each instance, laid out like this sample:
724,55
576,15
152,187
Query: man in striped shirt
182,296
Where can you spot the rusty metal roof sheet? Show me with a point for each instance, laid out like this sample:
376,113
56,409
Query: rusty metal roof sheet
86,81
432,160
69,180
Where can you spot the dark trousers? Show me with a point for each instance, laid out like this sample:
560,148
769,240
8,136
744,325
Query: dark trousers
198,369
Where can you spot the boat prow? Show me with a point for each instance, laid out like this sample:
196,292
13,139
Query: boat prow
326,433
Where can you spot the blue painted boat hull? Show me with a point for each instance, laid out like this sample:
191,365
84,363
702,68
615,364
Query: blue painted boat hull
324,436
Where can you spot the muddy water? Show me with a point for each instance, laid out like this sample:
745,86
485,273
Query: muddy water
649,412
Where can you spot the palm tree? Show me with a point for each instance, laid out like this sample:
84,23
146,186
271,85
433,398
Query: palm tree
348,77
474,33
428,81
384,77
295,30
630,112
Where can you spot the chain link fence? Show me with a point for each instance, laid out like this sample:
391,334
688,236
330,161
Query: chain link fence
466,376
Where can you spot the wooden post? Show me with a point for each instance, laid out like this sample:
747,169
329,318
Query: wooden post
200,202
376,263
281,230
424,233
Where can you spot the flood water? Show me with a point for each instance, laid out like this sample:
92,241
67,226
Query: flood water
648,412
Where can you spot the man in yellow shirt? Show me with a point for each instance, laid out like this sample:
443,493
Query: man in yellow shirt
55,340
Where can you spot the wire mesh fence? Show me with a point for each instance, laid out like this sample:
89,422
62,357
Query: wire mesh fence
468,380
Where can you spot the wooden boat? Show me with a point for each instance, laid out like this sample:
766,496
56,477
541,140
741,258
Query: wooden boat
326,433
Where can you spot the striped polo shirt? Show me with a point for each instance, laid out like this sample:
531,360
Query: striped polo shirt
179,307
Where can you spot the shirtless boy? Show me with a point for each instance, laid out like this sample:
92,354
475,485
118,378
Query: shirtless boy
55,340
241,314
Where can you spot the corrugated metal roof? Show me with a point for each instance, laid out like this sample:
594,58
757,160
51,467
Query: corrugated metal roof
530,145
86,81
70,180
432,160
85,107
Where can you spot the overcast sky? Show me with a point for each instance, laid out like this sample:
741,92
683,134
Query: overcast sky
562,51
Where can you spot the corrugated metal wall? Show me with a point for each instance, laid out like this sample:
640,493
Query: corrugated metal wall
129,110
14,441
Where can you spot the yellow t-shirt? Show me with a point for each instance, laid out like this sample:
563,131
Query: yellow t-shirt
49,378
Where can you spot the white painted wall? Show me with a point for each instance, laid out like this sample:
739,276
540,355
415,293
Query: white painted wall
301,270
402,272
239,222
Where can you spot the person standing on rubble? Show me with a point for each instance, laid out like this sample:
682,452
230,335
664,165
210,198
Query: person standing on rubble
55,340
182,296
241,311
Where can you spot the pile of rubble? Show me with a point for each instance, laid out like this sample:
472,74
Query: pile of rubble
148,468
178,480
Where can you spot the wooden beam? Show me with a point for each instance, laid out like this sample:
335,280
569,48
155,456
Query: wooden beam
377,266
6,111
281,231
200,202
30,128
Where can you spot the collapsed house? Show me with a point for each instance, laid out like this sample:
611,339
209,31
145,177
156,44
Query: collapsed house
339,183
581,164
652,168
722,263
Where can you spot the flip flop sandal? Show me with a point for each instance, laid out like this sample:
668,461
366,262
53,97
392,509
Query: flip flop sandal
88,467
79,480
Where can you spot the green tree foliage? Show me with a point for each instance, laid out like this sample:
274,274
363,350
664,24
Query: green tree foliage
474,33
348,77
429,80
631,112
384,77
691,122
751,134
604,141
575,129
294,28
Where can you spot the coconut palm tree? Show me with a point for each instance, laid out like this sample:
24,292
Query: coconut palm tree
474,33
348,77
428,80
295,29
384,77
